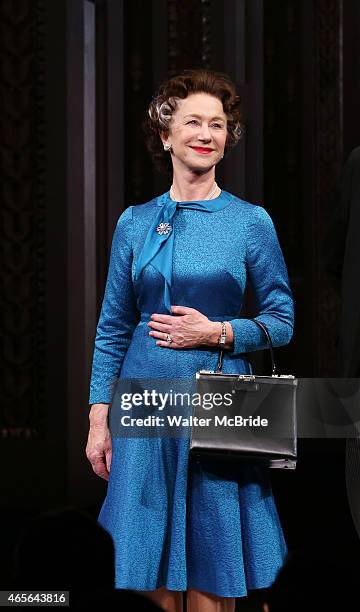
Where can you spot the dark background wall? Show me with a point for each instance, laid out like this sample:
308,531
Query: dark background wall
76,78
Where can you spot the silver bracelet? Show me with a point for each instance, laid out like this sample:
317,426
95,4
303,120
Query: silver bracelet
222,337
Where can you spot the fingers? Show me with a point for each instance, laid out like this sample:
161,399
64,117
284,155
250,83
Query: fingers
108,460
159,326
100,468
159,335
163,339
182,310
165,344
99,450
179,310
162,318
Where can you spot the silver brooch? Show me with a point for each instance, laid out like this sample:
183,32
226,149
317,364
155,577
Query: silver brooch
164,228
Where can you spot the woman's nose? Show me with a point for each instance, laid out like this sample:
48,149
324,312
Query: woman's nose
204,133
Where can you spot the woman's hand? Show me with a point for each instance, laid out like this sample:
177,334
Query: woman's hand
99,448
188,329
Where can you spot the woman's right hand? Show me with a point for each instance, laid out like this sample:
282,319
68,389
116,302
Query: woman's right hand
99,448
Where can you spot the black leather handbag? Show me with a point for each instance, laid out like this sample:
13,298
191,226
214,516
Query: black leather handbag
253,420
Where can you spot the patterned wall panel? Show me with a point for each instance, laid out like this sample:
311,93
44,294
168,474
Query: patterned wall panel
303,136
327,166
22,218
283,167
151,55
137,94
189,47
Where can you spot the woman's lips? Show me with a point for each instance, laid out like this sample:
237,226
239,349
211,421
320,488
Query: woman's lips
202,150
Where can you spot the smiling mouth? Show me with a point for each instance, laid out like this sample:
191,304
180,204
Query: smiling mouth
202,150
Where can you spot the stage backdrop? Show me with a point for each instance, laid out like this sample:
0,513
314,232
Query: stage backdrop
76,78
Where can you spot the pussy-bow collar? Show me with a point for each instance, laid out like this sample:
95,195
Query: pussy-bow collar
159,241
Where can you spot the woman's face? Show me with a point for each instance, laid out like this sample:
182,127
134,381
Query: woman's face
198,131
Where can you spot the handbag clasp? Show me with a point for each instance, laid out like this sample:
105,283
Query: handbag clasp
245,382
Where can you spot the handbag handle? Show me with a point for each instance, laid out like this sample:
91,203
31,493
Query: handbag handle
270,347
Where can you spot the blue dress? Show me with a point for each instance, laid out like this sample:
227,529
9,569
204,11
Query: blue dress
173,523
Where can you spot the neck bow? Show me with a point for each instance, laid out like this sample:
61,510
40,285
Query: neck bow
159,241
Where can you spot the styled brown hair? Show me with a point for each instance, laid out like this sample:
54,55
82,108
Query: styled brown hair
162,106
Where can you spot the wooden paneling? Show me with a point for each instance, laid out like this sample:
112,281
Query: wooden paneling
303,156
22,220
76,79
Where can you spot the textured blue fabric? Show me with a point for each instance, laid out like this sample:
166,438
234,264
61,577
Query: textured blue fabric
158,248
174,524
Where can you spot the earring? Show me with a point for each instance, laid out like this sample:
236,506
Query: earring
167,146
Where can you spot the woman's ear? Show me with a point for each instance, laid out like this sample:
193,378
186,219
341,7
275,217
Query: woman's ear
165,141
164,137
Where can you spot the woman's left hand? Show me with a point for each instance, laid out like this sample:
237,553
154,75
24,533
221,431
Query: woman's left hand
188,329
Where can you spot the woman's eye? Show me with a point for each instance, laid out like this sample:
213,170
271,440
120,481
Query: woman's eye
195,122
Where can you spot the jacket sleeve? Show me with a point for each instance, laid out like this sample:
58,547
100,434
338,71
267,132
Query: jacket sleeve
267,273
118,316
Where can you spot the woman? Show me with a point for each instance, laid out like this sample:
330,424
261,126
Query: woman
182,261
